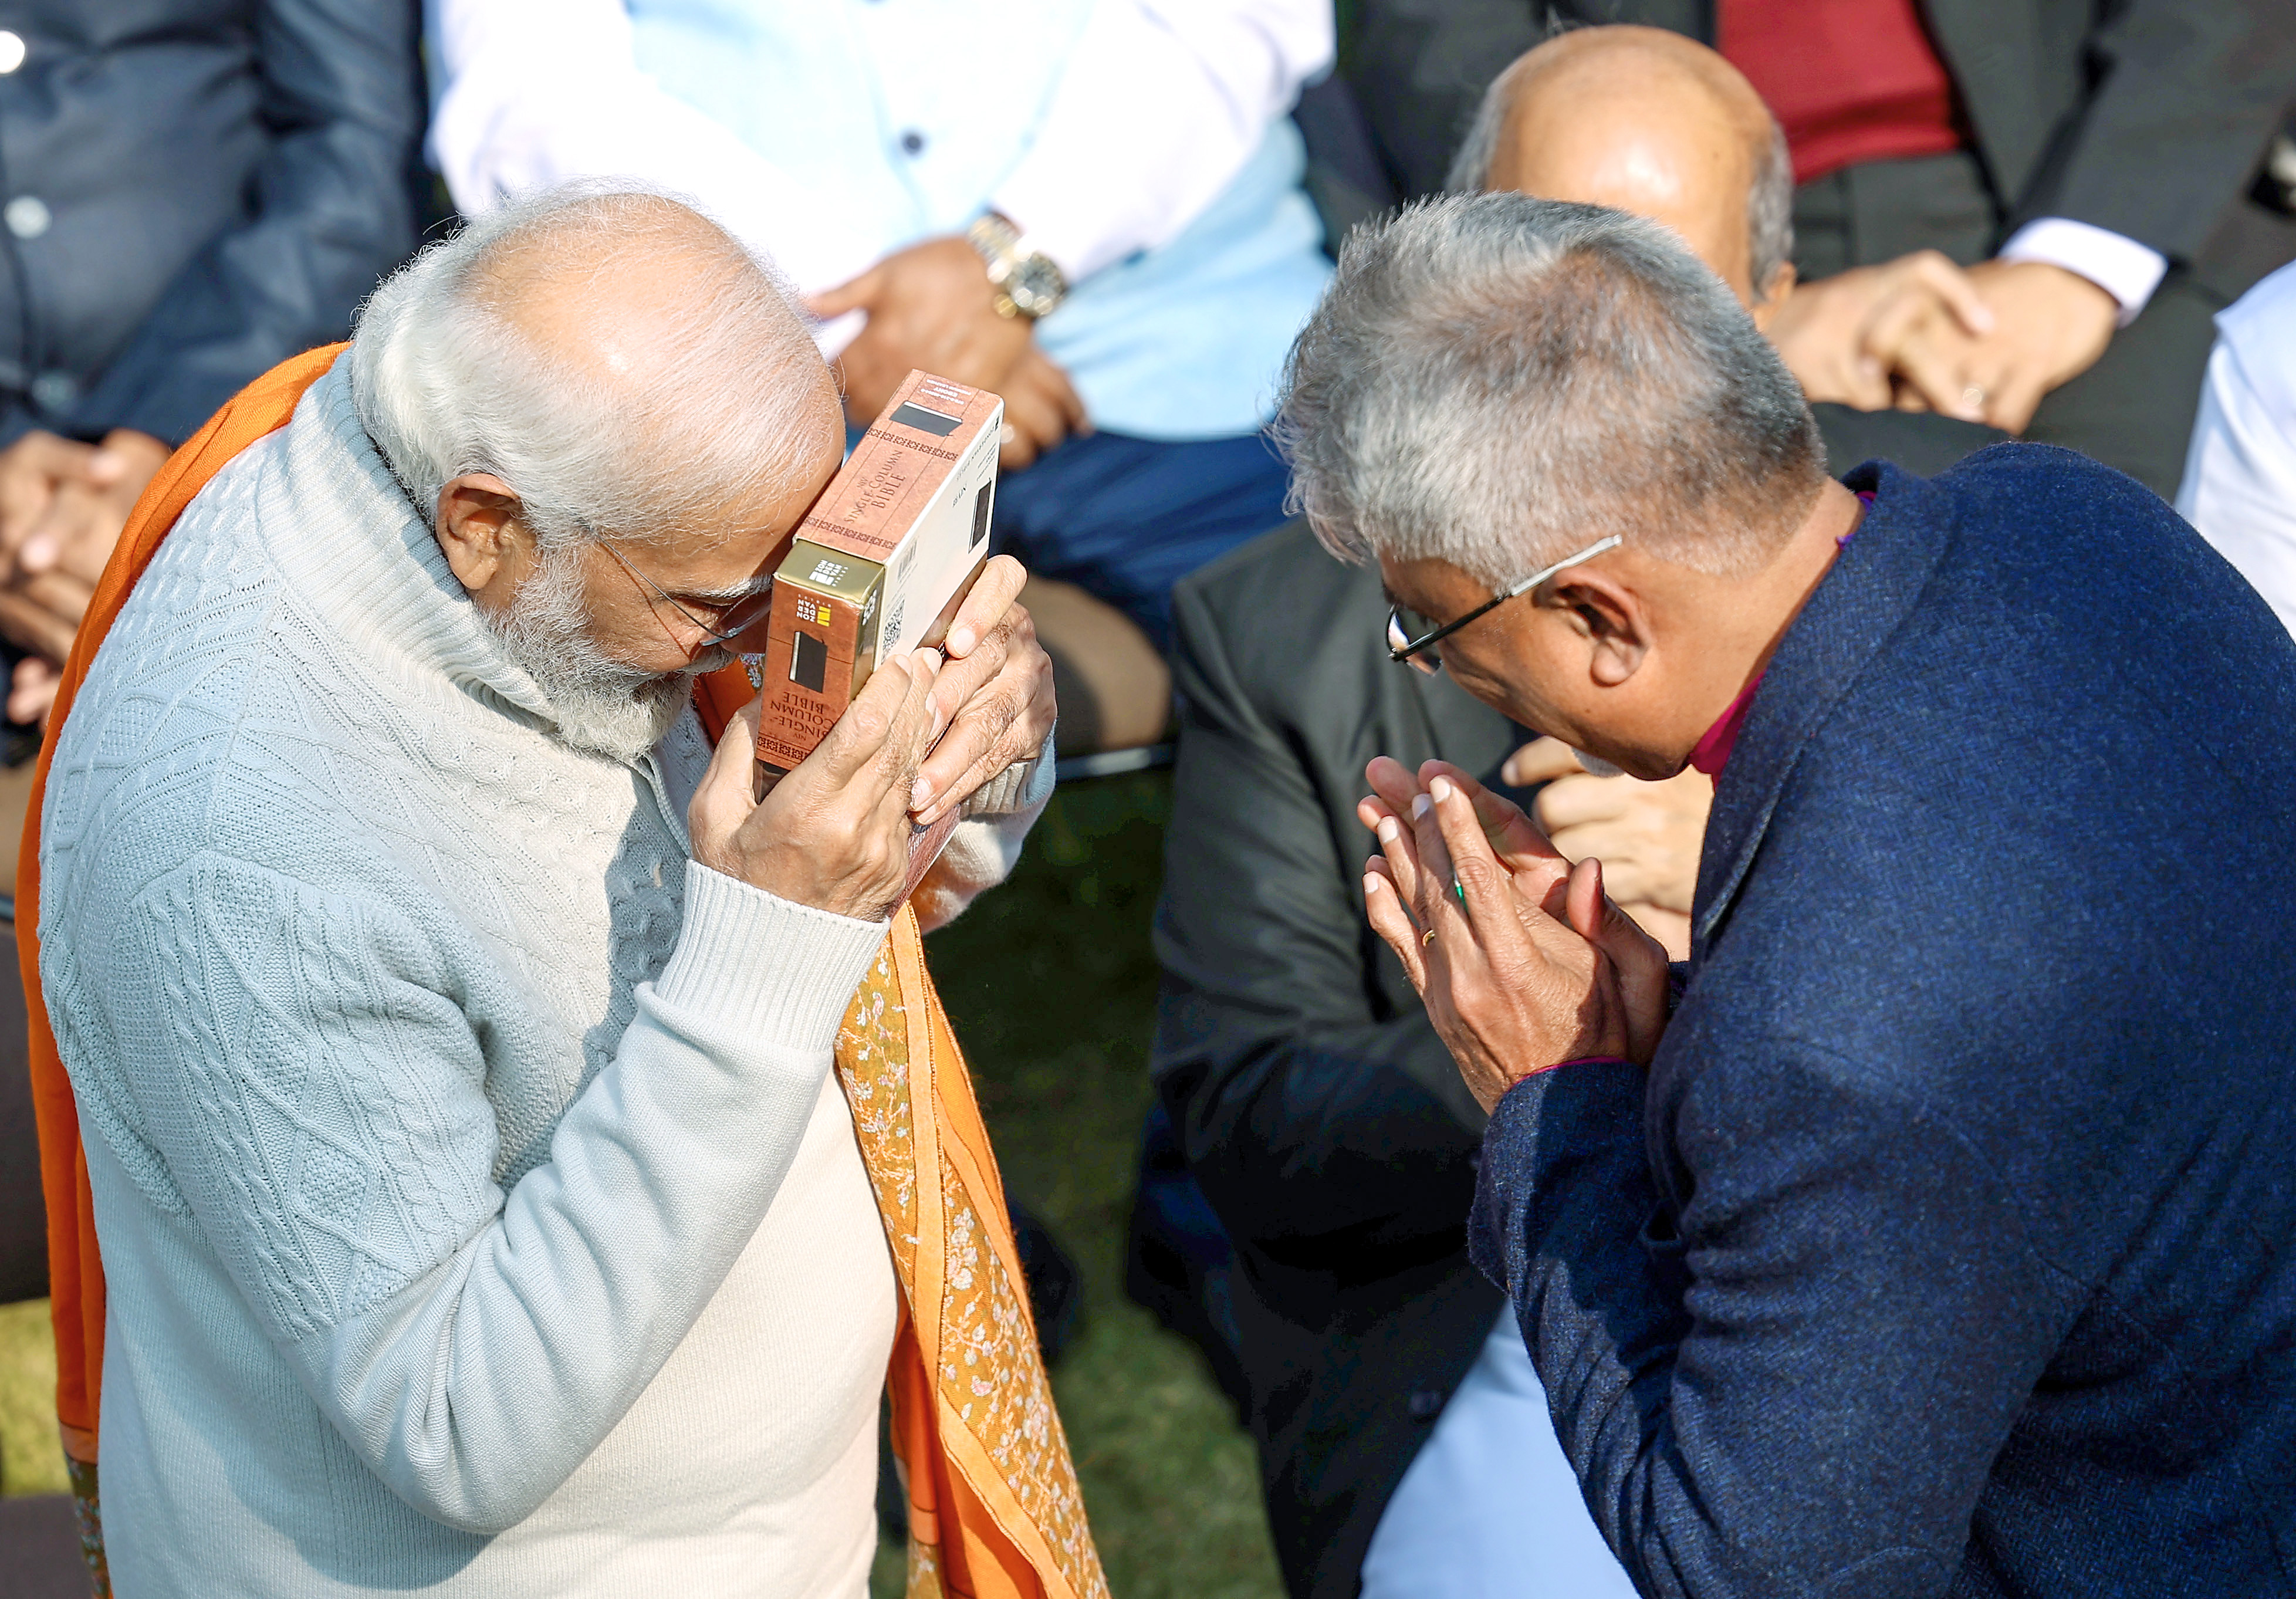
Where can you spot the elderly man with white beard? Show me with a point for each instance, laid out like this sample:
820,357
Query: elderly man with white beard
449,1030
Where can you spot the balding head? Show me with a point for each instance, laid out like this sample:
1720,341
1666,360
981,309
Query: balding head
613,418
1649,122
629,369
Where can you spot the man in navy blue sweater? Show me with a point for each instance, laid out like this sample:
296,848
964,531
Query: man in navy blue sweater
1934,1230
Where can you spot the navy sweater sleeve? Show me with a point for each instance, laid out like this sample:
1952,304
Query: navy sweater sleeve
1784,1363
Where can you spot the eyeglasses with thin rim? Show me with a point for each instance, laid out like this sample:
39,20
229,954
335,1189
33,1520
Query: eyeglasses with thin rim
1404,649
747,614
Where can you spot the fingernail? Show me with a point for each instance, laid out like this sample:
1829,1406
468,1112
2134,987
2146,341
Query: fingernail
1440,788
1388,832
1371,885
960,640
921,794
1420,806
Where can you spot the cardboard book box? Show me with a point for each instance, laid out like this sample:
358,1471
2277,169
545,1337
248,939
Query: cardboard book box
880,566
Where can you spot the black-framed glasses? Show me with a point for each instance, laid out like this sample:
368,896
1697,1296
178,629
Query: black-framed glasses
746,614
1403,648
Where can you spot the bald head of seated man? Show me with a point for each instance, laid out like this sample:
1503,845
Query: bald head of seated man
1651,122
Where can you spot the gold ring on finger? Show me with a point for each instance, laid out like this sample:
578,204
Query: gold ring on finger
1426,938
1973,396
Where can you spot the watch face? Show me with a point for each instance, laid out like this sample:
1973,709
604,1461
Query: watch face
1035,285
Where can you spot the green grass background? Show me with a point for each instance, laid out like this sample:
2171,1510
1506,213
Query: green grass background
1051,984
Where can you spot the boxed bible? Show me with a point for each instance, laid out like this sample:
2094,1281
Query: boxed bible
881,561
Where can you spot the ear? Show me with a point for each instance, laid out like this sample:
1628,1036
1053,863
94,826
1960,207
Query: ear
1616,626
1773,293
478,530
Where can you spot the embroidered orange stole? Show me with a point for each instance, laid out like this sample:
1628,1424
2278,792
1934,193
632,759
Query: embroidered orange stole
993,1507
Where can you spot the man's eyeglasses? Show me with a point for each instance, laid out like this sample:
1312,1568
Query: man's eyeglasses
747,611
1402,647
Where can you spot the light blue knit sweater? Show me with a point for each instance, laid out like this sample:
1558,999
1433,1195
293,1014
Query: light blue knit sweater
477,1216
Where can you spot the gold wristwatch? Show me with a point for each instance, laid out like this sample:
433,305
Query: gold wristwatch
1025,281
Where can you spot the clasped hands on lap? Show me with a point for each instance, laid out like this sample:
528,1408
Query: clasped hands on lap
62,507
1526,963
1983,344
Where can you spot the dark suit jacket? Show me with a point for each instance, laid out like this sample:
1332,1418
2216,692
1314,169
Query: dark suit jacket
2150,117
224,181
1949,1245
1318,1110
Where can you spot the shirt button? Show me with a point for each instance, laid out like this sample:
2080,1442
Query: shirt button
913,141
27,216
53,391
1425,1405
11,51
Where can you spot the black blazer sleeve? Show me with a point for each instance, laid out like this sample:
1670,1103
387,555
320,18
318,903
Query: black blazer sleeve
1319,1119
333,210
1419,71
2175,101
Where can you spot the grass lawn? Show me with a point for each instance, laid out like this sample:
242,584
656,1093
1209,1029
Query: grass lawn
1051,984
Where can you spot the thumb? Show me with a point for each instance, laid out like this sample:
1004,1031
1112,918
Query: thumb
1593,916
1582,900
723,797
1542,760
859,295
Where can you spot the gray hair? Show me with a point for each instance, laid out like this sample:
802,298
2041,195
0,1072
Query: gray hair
1770,200
1494,381
1769,211
446,382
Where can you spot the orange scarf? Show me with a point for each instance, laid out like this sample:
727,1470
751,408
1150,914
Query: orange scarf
993,1507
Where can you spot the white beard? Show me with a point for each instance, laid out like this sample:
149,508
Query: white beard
1596,765
601,704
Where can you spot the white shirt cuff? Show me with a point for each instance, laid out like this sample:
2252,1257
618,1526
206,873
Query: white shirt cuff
2119,266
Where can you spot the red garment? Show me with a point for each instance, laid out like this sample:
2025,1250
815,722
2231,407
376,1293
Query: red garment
1712,753
1848,80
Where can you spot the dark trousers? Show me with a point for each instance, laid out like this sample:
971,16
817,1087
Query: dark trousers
2133,410
1125,519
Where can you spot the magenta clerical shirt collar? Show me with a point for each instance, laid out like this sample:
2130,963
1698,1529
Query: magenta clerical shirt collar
1713,750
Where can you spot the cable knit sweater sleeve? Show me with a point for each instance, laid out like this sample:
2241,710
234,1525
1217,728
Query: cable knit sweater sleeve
309,1083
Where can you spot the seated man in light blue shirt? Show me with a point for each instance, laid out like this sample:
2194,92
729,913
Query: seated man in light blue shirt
1092,206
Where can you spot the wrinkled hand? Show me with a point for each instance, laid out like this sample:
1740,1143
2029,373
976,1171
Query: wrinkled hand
62,506
1648,835
1838,335
995,696
834,833
2049,326
1530,963
929,306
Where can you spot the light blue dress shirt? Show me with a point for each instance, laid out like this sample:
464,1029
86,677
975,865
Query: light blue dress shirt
910,114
